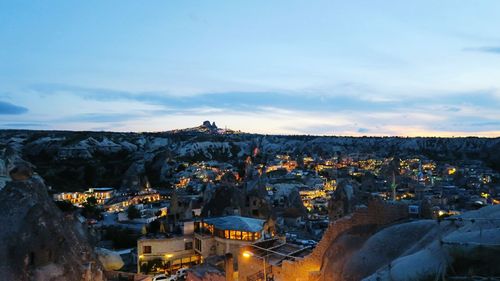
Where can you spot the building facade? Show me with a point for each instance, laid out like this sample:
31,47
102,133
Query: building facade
211,237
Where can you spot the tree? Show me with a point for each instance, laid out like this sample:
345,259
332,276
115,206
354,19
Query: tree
91,201
154,226
90,209
65,206
133,213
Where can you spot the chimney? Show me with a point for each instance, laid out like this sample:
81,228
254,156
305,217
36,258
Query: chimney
229,266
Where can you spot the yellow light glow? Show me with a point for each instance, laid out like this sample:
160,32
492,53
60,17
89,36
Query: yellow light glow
247,254
169,256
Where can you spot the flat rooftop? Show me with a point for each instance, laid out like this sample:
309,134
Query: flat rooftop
276,250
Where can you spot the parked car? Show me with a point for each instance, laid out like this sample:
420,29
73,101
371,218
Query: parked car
181,273
163,277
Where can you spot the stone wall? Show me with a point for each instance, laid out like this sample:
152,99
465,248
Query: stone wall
378,213
209,276
121,275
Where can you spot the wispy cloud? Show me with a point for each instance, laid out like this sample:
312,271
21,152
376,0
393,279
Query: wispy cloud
22,125
485,49
234,100
101,117
7,108
349,112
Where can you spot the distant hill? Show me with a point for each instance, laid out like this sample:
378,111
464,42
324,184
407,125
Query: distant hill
72,160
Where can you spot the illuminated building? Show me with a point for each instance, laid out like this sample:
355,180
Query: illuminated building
217,236
173,252
101,194
211,237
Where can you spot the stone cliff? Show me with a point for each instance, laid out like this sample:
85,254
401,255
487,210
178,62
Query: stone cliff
39,242
456,248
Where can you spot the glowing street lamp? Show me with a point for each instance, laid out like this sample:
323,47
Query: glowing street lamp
247,254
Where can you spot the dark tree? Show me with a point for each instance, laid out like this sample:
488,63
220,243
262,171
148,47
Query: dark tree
91,210
133,213
65,206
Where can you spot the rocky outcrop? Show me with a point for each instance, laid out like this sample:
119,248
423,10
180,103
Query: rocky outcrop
21,172
110,260
38,241
134,178
419,250
343,199
209,126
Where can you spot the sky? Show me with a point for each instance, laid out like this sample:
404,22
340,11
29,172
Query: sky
405,68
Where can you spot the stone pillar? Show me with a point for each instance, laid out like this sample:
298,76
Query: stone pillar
229,266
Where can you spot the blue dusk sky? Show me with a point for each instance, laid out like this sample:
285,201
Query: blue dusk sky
408,68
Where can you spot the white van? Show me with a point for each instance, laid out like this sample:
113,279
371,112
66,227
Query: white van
182,272
163,277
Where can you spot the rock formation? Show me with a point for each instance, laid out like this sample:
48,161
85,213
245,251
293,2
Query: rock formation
38,241
343,199
419,250
110,260
72,161
209,125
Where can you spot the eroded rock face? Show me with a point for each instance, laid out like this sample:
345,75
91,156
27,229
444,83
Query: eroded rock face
418,250
21,172
38,242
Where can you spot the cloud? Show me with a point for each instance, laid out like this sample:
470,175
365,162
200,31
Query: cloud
229,101
340,113
22,125
486,49
11,109
101,117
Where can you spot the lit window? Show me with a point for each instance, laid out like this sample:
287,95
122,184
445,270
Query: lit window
244,235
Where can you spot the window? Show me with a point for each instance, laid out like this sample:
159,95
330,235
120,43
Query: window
197,244
247,236
188,246
146,249
256,235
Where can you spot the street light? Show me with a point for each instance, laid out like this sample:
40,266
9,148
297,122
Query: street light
248,254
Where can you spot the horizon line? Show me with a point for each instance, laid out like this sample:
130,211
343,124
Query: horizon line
173,131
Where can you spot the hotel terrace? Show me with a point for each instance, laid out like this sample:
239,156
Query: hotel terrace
211,237
218,236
